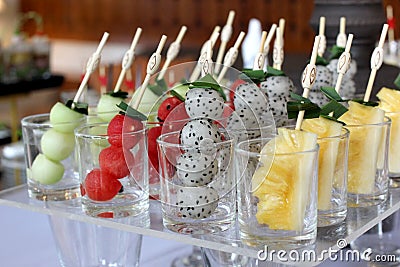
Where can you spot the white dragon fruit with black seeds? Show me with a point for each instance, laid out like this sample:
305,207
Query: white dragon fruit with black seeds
196,169
351,72
347,88
204,103
249,96
199,131
196,202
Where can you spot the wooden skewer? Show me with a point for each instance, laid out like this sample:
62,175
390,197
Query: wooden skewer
269,38
278,50
341,37
344,63
376,62
389,16
259,60
128,59
308,79
231,56
322,42
226,35
91,66
102,78
172,52
152,66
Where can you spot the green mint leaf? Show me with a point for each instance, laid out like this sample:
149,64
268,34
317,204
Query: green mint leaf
274,72
369,103
255,76
299,98
177,95
78,106
321,61
120,94
311,110
331,93
397,81
333,107
208,81
129,111
159,87
332,119
336,51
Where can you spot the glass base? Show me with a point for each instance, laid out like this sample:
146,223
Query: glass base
54,194
121,206
198,228
194,259
329,218
365,200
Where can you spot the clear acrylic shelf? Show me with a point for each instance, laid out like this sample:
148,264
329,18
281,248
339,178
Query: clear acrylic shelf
359,220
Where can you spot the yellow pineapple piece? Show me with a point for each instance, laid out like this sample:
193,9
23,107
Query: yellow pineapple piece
363,147
389,101
328,155
282,185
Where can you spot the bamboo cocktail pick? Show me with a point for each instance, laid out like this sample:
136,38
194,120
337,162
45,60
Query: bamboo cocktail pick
213,39
308,79
128,59
376,62
172,52
91,66
226,35
278,54
152,66
390,22
343,63
270,35
259,59
341,37
231,56
321,34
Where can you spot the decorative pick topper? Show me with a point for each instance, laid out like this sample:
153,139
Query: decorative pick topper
343,63
259,59
231,56
206,61
309,76
322,42
341,37
278,53
225,37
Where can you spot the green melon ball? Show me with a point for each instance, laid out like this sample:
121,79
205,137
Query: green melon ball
56,145
64,119
99,131
91,119
46,171
149,103
107,107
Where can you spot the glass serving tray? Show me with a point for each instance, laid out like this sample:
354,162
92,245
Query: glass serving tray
359,220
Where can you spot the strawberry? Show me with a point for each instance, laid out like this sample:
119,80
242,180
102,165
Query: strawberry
101,186
167,106
152,136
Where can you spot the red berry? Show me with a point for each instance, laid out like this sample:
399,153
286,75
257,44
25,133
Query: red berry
176,119
119,128
233,88
101,186
152,152
167,106
116,161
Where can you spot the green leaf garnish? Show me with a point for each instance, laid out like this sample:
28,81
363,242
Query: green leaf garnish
133,113
177,95
301,103
159,87
208,82
255,76
321,61
274,72
333,107
397,81
332,119
369,103
78,106
119,93
331,93
336,51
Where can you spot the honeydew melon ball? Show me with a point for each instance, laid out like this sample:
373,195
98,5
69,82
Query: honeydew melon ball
56,145
64,119
107,107
149,102
46,171
99,131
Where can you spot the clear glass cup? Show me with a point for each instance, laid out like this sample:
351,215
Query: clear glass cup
279,210
332,179
368,178
49,158
196,209
114,179
82,243
394,149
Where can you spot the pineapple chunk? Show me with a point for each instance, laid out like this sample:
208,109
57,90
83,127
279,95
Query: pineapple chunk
389,101
363,147
328,155
282,185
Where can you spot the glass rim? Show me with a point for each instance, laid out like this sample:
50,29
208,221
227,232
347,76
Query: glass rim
386,120
27,121
243,151
182,146
78,131
344,132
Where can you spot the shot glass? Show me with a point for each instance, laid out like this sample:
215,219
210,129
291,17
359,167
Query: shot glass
368,177
198,193
277,195
112,170
81,244
332,179
394,149
49,157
